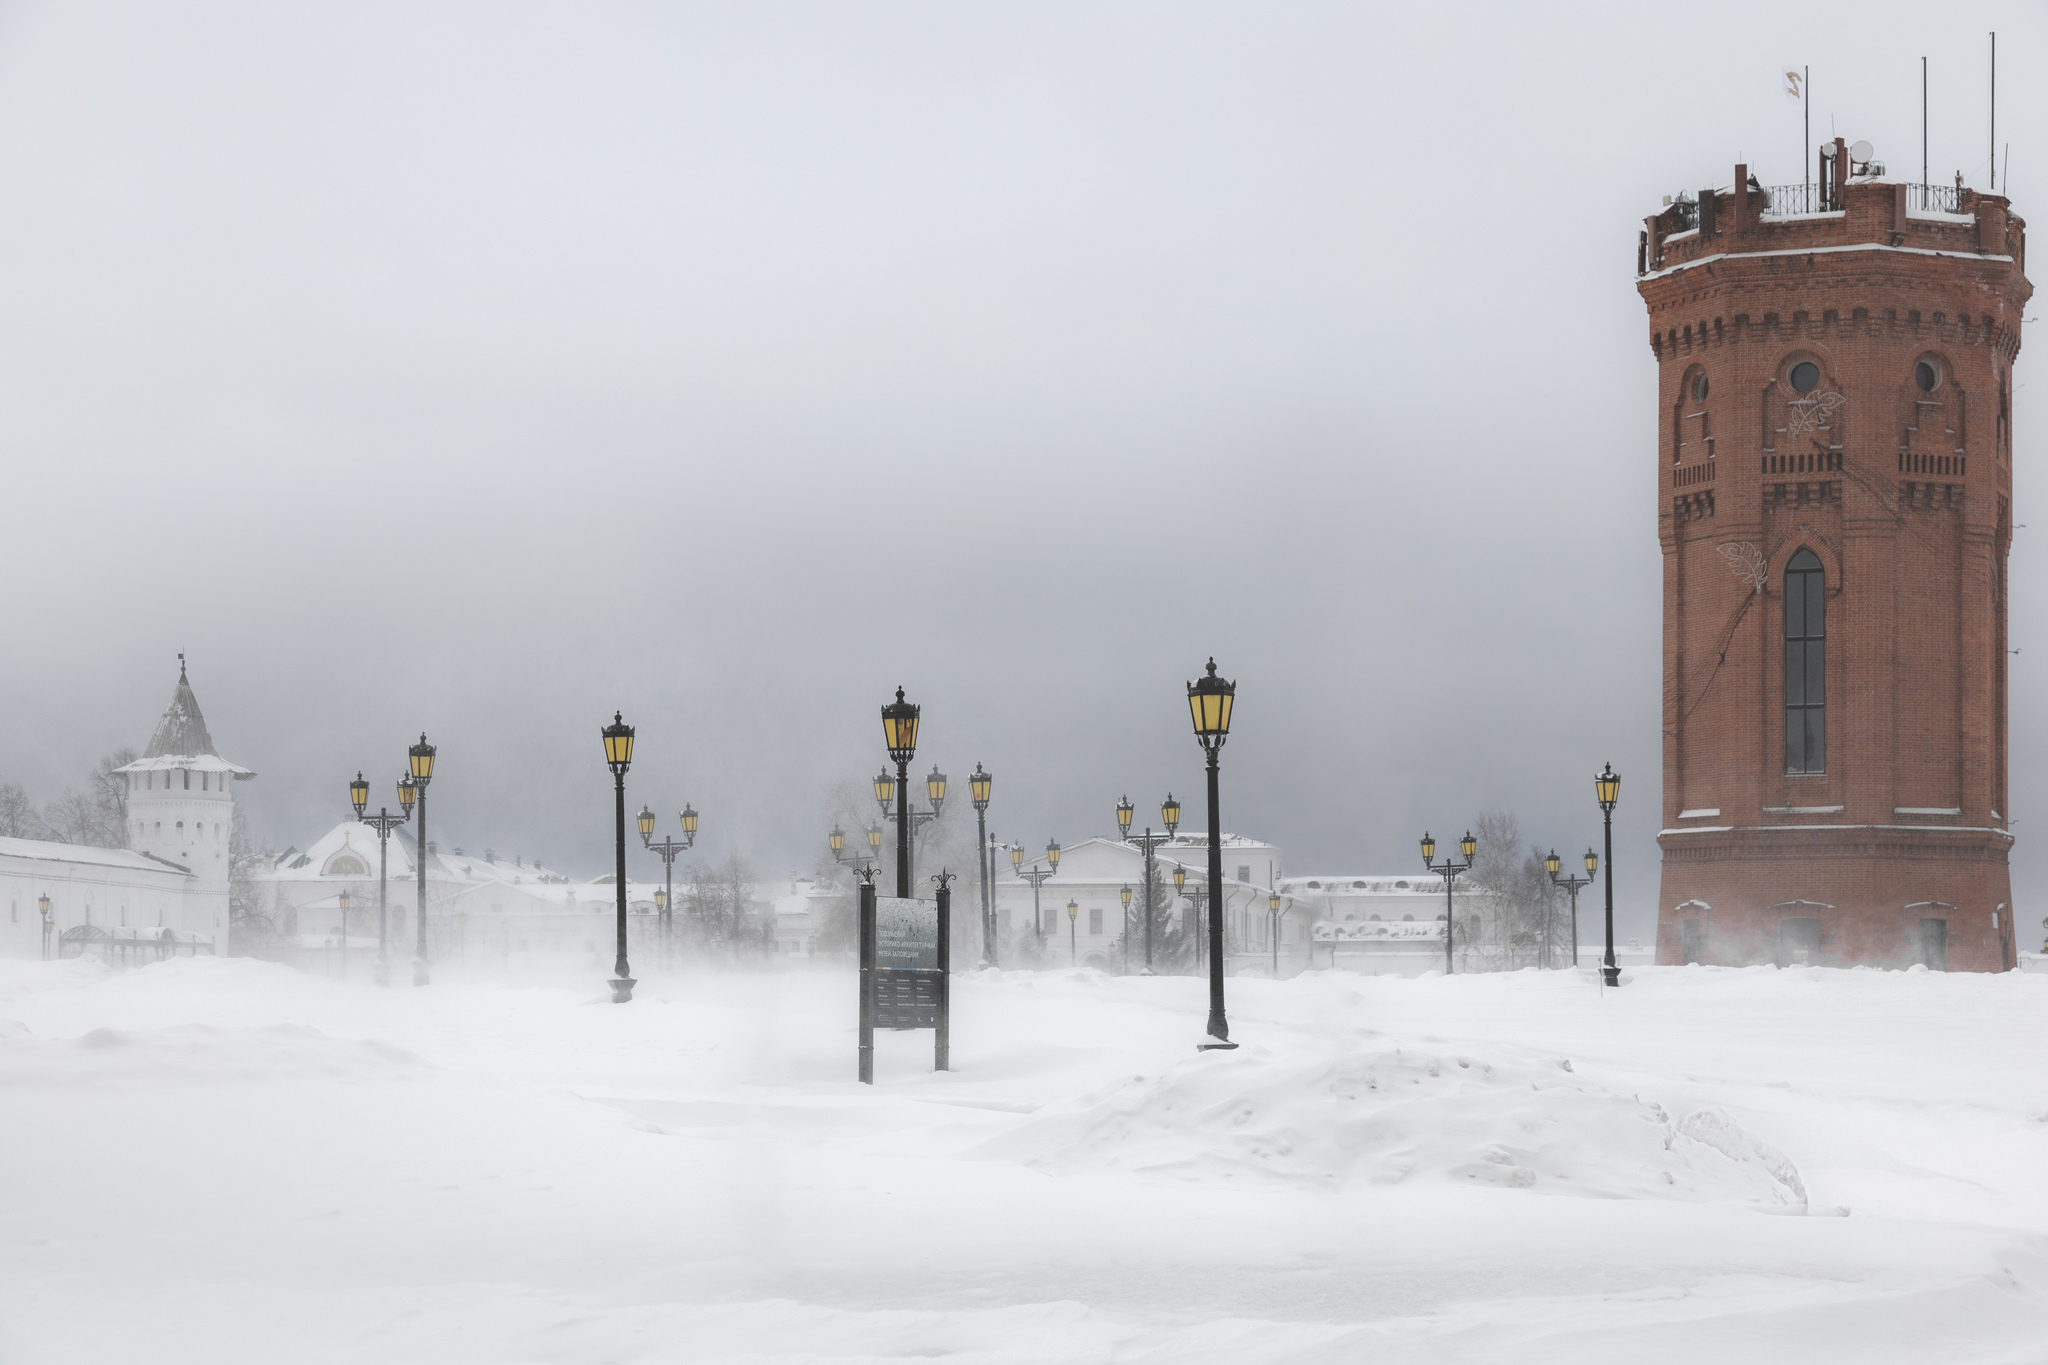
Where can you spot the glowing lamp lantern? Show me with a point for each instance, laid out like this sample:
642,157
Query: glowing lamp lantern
978,787
689,819
618,745
1607,786
43,904
875,837
1273,902
935,788
1052,853
1125,896
1123,816
421,756
344,902
1553,863
660,899
837,838
645,821
1073,909
359,794
1468,845
1209,701
1016,856
407,790
899,729
1169,813
1428,848
1592,861
1180,877
885,789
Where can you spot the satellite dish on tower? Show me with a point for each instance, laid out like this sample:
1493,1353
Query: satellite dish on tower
1861,151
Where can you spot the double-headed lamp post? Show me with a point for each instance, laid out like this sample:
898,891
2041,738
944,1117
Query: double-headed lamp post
1607,787
668,848
618,756
978,785
49,922
1037,877
899,735
1169,815
1449,870
420,757
1572,885
1073,948
1209,702
383,822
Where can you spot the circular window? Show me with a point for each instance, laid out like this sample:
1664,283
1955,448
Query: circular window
1699,387
1805,377
1926,376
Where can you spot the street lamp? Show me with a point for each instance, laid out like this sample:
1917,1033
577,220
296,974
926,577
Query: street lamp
978,788
383,822
899,733
618,756
1199,894
1125,896
668,849
1169,813
1571,885
1450,869
1273,927
1073,951
49,922
1209,702
1607,788
344,934
1036,876
420,758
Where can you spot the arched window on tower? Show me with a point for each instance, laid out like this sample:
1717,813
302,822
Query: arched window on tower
1806,725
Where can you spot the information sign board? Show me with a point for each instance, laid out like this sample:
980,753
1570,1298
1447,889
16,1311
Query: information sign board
904,970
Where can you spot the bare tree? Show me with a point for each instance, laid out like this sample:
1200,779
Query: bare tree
19,818
252,925
1520,926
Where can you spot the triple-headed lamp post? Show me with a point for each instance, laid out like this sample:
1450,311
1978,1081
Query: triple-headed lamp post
668,848
1450,869
618,756
1209,702
1572,885
383,822
421,759
1169,815
1607,787
978,784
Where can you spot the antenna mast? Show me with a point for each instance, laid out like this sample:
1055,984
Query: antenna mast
1994,109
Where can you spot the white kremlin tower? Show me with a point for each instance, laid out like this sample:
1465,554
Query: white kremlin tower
180,807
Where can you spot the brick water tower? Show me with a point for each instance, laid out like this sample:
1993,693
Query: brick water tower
1834,460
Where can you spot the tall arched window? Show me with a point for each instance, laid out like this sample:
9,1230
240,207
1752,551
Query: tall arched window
1806,694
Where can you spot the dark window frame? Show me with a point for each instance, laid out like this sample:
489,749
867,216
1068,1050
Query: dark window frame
1805,676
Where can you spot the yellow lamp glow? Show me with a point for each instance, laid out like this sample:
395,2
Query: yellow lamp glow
645,820
899,728
1052,853
1209,700
1468,845
837,838
1592,862
1125,896
689,819
359,793
1123,815
1552,863
978,786
885,789
407,790
1428,847
422,758
618,744
1169,813
1607,786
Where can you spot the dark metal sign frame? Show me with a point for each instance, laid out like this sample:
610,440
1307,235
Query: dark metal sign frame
906,997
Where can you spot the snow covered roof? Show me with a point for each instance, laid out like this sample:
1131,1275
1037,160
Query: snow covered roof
45,850
1365,884
1328,931
181,739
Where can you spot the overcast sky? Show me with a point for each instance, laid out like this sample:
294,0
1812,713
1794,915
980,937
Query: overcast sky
485,369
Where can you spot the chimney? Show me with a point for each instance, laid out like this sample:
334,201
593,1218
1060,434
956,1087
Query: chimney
1741,205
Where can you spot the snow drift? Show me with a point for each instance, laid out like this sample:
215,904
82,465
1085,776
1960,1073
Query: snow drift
1384,1112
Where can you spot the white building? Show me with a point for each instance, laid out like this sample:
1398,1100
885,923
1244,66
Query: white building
1091,877
1384,924
169,885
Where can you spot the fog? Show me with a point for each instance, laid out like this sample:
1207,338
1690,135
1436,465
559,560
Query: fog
488,369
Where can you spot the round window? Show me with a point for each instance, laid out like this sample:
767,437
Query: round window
1699,387
1805,377
1926,376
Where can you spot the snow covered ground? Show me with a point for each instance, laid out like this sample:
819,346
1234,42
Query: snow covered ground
231,1161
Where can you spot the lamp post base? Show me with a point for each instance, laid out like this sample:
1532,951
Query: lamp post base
1612,975
1215,1045
420,974
622,990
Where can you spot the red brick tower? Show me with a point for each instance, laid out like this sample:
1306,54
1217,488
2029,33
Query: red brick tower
1835,465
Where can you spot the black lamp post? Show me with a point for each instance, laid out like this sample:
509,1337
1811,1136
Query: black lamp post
1073,949
1037,879
1169,814
1125,896
618,756
668,848
343,899
1571,885
1449,870
1199,894
899,734
383,822
421,759
1209,702
1273,917
1607,787
978,785
49,922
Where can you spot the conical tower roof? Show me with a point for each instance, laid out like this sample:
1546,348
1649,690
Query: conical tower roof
182,731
